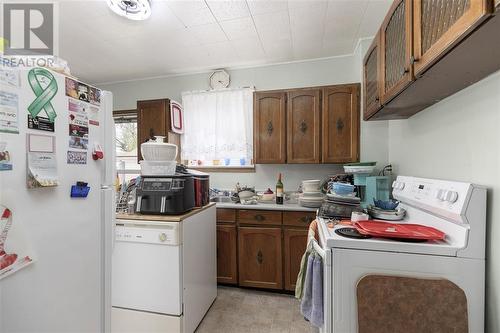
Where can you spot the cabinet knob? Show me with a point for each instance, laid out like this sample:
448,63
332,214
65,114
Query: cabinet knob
259,218
404,71
340,124
303,127
260,257
306,219
270,128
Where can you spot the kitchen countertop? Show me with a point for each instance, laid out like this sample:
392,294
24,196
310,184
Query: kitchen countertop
266,206
163,218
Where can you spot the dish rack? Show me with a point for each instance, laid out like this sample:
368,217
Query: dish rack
124,197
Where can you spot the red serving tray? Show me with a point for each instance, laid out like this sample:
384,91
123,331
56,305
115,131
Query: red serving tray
399,230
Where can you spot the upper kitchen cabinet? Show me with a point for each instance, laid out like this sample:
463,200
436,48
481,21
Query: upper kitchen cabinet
341,120
269,127
371,76
303,126
153,118
439,25
396,50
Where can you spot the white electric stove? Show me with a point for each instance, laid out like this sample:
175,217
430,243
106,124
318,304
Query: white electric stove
458,209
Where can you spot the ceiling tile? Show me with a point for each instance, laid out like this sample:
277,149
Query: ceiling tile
239,29
228,9
192,12
273,26
208,33
377,9
248,48
310,19
258,7
221,53
278,50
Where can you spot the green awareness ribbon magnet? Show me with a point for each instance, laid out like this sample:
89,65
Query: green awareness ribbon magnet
45,95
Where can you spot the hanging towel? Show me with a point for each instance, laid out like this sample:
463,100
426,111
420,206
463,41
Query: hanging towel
317,293
299,285
306,303
311,306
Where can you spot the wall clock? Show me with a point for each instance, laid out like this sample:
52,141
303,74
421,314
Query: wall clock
219,79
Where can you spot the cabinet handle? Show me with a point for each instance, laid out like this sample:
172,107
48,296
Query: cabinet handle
340,124
413,60
303,127
377,99
306,219
404,71
259,218
260,257
270,128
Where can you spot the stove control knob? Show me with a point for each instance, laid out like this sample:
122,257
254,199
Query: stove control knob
163,237
451,196
401,186
394,184
440,195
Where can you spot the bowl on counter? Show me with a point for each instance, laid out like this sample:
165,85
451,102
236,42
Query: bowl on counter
157,150
342,188
386,205
310,185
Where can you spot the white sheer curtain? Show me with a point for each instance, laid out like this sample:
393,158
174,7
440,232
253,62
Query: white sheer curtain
218,125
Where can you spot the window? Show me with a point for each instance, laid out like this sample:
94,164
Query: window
218,128
126,139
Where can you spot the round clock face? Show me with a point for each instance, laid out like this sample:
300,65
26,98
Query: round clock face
219,80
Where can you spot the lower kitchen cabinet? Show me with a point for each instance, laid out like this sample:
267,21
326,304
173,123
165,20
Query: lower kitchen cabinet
227,269
295,243
260,257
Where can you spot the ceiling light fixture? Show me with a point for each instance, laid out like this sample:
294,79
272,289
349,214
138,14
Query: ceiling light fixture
136,10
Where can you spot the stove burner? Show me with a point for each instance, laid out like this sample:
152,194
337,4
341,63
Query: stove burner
351,233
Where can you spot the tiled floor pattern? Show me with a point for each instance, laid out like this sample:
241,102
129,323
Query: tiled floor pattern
245,310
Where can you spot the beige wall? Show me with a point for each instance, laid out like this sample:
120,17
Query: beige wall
459,139
301,74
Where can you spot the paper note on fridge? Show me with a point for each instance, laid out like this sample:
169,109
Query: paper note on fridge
41,143
42,170
9,112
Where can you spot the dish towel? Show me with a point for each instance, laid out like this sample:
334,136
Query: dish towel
299,285
311,306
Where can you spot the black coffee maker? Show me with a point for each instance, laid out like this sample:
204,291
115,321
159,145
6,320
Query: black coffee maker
166,195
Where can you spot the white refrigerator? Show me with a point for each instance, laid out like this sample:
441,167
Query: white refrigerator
67,286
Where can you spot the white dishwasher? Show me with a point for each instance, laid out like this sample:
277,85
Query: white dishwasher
147,275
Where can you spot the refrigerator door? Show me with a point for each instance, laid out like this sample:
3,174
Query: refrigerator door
107,243
108,144
63,290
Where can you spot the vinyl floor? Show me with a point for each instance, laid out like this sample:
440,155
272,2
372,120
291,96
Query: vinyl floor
244,310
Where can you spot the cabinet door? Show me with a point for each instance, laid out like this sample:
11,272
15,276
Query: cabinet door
295,243
371,79
396,49
439,25
303,126
226,254
152,119
269,128
341,124
259,257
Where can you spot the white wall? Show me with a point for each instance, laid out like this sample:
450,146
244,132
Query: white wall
337,70
459,139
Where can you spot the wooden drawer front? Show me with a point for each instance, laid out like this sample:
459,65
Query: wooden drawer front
260,217
298,219
226,215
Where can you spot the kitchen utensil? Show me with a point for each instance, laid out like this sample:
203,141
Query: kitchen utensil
342,188
157,150
399,230
386,204
311,185
389,215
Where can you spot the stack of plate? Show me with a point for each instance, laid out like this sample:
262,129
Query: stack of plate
312,197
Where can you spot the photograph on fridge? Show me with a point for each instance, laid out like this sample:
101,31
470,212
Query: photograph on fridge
14,250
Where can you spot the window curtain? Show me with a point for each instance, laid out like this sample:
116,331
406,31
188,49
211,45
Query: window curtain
218,125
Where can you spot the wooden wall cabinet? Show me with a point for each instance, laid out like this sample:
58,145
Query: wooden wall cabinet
307,139
429,50
303,126
396,50
269,127
227,270
260,262
153,118
439,25
371,79
294,245
341,124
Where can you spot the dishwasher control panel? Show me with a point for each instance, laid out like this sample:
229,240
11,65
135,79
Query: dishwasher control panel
165,235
